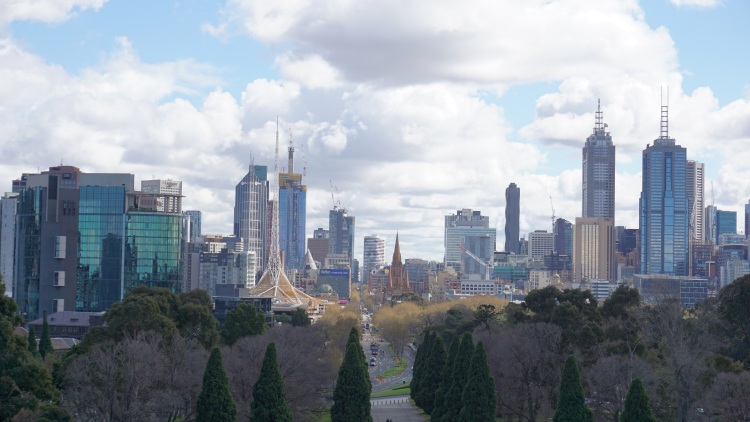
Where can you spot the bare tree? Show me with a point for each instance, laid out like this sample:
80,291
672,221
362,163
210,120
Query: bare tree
306,366
525,361
608,383
728,396
145,378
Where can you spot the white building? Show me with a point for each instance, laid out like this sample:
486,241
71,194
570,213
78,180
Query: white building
7,239
168,194
541,243
374,253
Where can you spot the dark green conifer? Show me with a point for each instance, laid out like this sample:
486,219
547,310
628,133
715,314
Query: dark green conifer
432,376
45,343
351,396
300,318
458,379
33,348
244,320
478,401
419,367
571,406
439,407
354,339
268,392
637,408
215,402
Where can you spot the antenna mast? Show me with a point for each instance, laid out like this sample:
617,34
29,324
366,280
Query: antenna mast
664,130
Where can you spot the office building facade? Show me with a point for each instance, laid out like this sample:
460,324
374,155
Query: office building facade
663,216
7,239
541,243
563,237
594,257
251,213
292,212
465,224
340,232
695,174
512,219
374,253
599,172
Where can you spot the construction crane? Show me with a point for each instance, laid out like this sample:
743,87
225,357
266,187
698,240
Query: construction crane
487,265
336,202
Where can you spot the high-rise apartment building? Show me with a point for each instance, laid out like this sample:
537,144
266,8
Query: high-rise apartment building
251,213
464,224
292,211
374,254
541,243
695,174
563,237
663,217
726,223
599,172
512,219
709,225
594,249
165,194
340,232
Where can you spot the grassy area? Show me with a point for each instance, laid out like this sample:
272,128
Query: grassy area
325,416
398,390
395,370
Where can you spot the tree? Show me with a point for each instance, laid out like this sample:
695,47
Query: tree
244,320
728,395
215,403
621,299
733,309
439,406
458,379
486,314
478,400
33,348
351,397
24,382
571,406
423,352
268,392
431,376
300,318
45,343
637,408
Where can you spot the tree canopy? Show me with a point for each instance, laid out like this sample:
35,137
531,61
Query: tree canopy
215,402
268,392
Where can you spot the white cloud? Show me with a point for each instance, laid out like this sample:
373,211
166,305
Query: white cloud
310,72
696,3
48,11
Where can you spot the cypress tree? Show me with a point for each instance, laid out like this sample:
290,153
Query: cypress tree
432,375
351,396
268,392
458,379
417,371
215,402
420,371
439,406
571,406
45,343
33,348
354,339
478,401
637,408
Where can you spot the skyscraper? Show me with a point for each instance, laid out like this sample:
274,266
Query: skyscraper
340,232
663,217
594,249
512,218
292,211
251,212
459,227
7,239
599,172
541,243
193,225
726,223
563,236
166,193
374,254
695,174
747,219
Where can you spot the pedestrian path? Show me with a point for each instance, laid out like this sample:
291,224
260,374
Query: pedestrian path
396,408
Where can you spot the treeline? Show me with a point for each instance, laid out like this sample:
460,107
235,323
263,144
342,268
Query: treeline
164,357
689,364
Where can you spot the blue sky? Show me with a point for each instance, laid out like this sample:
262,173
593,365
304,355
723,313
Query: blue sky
412,110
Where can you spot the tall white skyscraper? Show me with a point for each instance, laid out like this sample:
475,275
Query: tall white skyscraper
374,253
599,172
695,176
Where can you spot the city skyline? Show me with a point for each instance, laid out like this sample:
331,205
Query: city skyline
191,91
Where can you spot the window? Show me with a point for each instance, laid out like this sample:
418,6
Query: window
58,305
60,247
58,278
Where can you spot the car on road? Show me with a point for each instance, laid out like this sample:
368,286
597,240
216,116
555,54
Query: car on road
373,362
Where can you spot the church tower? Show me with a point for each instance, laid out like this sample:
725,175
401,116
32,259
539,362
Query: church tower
398,277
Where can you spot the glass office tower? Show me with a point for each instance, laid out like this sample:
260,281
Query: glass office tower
664,207
152,250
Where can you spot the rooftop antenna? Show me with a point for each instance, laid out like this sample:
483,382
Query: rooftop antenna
664,131
290,168
599,126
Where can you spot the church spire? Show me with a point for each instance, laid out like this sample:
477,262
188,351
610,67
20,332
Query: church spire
397,252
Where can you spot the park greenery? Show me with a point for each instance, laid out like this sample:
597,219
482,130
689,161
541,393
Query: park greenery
559,354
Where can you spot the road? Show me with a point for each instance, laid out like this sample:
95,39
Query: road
397,409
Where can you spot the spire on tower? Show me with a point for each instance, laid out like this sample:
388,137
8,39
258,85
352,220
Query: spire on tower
290,168
599,125
397,251
274,257
664,131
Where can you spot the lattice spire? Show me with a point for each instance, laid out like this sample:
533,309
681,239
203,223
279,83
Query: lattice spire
274,257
